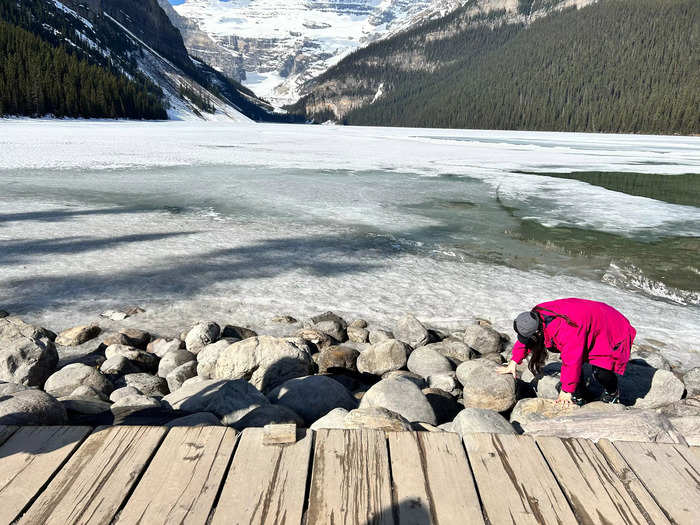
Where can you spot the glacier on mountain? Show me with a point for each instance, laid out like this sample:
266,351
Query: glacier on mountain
275,46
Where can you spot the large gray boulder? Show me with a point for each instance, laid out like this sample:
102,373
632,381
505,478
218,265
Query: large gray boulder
173,359
334,419
147,384
628,425
427,362
208,356
230,400
547,387
484,387
146,361
648,357
401,396
376,418
78,335
456,351
202,334
383,357
265,361
181,374
691,380
63,382
479,420
410,330
312,397
31,407
268,415
27,354
665,388
483,339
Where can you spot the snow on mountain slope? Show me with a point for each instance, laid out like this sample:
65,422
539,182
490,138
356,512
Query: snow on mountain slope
275,46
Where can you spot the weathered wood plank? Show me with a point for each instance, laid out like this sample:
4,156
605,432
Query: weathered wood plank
696,451
350,482
634,486
668,476
690,457
594,491
266,483
91,487
28,459
432,479
6,431
182,480
514,481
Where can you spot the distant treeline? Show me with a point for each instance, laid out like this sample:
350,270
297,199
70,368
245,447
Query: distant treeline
615,66
43,74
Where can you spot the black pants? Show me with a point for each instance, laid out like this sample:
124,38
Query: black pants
607,378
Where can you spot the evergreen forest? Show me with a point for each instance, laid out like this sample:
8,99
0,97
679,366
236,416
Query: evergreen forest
614,66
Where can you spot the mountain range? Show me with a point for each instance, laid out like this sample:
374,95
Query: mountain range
570,65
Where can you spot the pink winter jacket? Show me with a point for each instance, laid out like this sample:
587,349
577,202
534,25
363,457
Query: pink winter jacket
583,331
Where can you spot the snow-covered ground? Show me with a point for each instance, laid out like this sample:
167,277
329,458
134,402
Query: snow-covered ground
240,223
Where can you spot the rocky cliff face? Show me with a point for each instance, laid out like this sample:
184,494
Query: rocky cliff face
276,46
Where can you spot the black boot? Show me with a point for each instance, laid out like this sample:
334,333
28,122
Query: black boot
578,399
612,398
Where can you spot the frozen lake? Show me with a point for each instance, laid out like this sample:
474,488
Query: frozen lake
239,223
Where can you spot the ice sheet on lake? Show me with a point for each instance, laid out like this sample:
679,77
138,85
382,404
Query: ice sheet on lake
95,216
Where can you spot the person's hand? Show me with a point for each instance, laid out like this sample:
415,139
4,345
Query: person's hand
508,369
564,398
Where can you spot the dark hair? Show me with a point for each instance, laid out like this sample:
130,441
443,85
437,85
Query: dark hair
538,353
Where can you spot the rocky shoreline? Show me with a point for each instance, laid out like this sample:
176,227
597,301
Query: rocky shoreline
323,372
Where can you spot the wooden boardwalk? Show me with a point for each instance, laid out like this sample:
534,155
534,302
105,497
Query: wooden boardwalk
154,475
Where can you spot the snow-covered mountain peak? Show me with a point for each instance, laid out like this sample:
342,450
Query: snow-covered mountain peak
277,45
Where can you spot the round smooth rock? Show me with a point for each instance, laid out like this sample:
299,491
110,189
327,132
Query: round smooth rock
483,339
174,359
181,374
31,407
27,355
201,335
427,362
124,392
78,335
401,396
230,400
357,334
471,420
377,336
383,357
148,384
483,387
162,346
119,365
411,331
691,380
376,418
337,357
456,351
334,419
64,381
265,361
312,397
145,361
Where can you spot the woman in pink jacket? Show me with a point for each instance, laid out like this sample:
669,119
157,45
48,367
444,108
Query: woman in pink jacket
581,331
